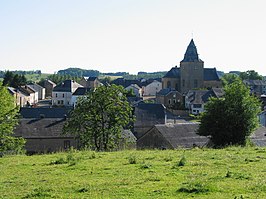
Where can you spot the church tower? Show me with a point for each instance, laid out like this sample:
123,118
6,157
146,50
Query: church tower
191,69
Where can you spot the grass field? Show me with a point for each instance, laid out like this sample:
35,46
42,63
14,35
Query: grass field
198,173
36,77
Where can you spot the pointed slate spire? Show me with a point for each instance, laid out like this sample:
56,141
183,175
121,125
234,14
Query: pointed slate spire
191,54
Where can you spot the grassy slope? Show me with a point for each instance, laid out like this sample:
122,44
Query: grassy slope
226,173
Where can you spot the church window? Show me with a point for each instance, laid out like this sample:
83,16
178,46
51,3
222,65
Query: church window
176,86
168,84
195,83
183,83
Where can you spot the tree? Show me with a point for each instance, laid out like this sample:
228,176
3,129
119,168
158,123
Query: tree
250,75
8,120
229,78
14,80
99,117
230,120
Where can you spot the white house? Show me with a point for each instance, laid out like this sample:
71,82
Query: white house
31,96
39,89
81,91
152,88
62,93
136,89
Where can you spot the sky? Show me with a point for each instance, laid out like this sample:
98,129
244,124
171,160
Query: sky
131,35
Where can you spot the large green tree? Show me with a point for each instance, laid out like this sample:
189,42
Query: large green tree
230,120
251,75
8,120
99,117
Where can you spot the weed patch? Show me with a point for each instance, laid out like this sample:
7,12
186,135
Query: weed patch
194,187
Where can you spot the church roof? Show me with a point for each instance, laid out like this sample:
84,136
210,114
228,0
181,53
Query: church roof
191,54
210,74
173,73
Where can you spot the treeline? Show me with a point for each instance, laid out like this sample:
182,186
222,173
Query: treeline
21,72
146,75
78,72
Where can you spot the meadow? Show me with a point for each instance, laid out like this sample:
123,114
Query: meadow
234,172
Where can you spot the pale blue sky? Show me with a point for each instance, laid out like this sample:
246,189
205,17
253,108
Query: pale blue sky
131,35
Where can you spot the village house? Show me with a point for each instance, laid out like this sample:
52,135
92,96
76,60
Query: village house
196,99
20,98
31,96
150,89
62,93
49,86
147,115
257,87
135,88
172,136
170,98
42,129
81,91
39,89
90,82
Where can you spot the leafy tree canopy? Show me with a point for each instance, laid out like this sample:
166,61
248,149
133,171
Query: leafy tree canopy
230,120
14,80
229,78
99,117
8,120
250,75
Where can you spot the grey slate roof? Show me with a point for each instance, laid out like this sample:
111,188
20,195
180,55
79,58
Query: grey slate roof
66,86
81,91
155,109
165,91
210,74
191,54
44,112
180,135
126,82
173,73
40,128
202,96
255,82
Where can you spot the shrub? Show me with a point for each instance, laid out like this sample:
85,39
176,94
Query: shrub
132,159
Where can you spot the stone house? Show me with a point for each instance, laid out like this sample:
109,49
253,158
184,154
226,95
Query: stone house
191,73
170,98
172,136
62,93
49,86
42,129
90,82
39,89
147,115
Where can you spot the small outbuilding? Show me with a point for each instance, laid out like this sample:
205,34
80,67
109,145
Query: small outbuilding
171,136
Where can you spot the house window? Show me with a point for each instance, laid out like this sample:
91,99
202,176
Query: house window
63,95
66,144
195,83
56,95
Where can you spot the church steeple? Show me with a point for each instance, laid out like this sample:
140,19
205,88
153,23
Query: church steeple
191,54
